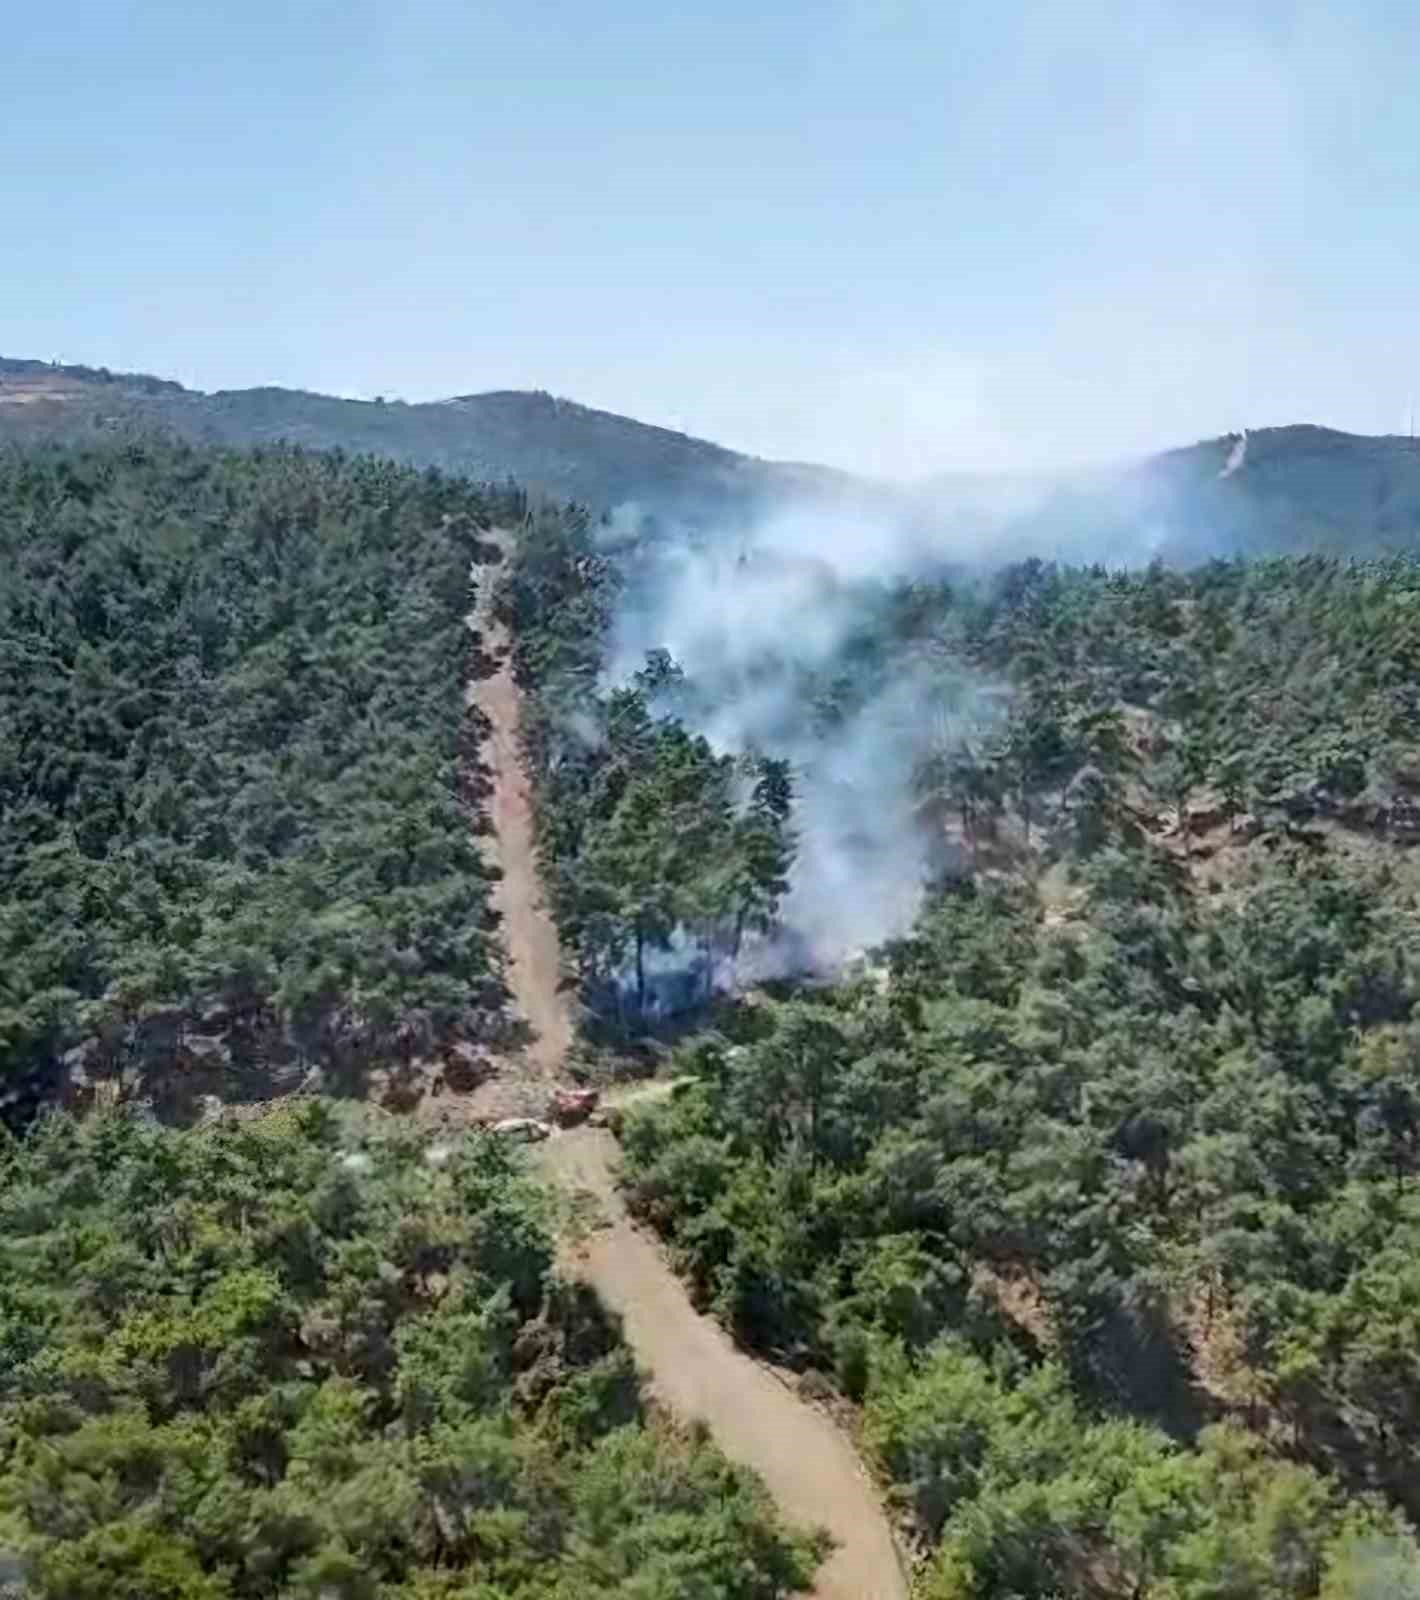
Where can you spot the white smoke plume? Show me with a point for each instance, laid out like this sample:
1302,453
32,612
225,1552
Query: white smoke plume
768,621
773,615
1236,456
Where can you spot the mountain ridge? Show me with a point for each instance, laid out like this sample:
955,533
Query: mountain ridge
546,442
1291,488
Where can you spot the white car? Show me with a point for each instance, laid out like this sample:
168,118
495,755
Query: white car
527,1130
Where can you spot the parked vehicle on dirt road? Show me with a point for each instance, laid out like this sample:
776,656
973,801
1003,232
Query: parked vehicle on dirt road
569,1107
525,1130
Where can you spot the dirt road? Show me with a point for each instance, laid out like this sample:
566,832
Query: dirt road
693,1367
529,933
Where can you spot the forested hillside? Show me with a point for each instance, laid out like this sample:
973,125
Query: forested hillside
1279,491
282,1360
1295,488
546,444
321,1353
231,718
1094,1196
1100,1191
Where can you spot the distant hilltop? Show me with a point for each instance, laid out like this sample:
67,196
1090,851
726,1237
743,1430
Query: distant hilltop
37,379
567,450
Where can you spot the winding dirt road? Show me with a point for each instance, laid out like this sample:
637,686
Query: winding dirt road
696,1370
693,1367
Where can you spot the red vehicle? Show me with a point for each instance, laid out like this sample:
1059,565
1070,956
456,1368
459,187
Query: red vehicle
568,1107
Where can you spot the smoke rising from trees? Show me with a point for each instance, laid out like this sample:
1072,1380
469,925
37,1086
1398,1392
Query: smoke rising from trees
797,638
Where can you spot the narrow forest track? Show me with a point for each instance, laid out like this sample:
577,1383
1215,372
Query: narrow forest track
695,1370
693,1367
534,954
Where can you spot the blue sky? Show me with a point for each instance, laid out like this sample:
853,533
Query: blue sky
896,235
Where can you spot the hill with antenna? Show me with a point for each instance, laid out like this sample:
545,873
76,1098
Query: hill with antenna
1271,491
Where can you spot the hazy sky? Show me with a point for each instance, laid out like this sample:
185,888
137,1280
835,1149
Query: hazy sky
895,235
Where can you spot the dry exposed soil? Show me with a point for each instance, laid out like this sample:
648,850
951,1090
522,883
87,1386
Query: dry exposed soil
696,1371
529,933
693,1367
521,1080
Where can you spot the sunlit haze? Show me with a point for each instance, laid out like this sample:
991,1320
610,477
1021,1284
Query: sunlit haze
889,235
